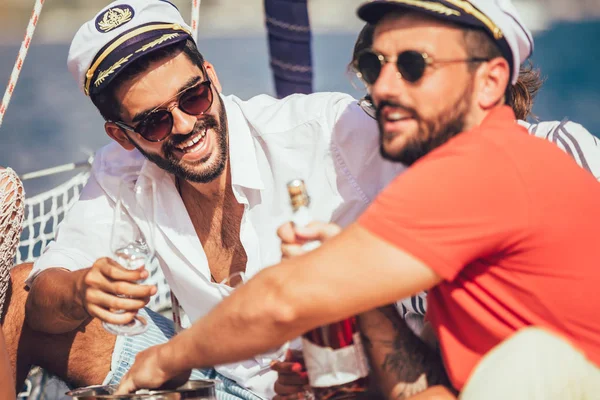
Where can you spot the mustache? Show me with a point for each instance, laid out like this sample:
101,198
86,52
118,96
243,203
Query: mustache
387,103
208,122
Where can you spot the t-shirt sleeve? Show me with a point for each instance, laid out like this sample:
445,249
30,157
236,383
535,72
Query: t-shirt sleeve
458,204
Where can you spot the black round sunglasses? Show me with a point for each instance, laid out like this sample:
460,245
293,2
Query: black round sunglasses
411,64
158,125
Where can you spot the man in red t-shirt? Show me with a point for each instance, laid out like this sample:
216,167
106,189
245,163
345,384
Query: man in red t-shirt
498,225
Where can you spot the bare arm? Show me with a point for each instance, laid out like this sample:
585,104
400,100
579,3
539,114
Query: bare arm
401,362
6,382
351,273
54,304
60,301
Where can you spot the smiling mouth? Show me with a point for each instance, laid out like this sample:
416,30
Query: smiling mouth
193,143
396,115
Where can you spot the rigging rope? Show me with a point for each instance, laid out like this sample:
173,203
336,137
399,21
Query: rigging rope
14,76
195,19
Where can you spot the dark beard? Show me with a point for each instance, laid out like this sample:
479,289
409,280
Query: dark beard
432,133
172,165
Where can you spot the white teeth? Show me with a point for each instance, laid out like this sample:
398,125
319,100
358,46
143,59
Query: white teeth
186,146
396,116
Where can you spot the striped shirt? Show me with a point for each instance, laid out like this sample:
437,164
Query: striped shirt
572,138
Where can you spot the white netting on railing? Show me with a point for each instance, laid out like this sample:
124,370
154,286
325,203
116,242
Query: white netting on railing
43,214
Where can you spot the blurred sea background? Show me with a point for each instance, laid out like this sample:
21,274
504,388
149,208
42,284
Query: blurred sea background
49,122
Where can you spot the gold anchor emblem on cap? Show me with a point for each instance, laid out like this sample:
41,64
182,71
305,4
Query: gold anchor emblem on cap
113,18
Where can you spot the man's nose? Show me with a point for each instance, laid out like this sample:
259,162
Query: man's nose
183,124
389,84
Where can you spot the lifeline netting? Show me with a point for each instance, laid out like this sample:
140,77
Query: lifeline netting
43,214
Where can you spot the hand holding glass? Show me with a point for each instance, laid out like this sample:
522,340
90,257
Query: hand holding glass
132,237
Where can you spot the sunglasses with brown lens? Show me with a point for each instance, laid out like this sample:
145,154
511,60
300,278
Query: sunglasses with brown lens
158,125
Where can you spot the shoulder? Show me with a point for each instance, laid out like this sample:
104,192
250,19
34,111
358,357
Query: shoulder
559,130
113,160
572,138
268,115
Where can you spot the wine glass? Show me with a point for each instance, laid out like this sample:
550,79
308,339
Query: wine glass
132,236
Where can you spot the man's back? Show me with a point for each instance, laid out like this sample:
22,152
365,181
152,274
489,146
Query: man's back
509,222
542,270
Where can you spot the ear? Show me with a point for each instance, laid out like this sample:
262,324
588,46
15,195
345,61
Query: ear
493,78
212,74
118,135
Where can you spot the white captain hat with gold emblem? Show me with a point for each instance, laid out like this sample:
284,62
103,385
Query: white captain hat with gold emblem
499,18
119,34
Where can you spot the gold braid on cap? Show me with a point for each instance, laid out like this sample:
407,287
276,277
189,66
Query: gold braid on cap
470,9
464,5
430,6
118,42
106,73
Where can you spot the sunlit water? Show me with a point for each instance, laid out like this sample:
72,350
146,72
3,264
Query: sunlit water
49,122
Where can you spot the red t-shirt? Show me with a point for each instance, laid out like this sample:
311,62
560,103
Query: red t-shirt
512,225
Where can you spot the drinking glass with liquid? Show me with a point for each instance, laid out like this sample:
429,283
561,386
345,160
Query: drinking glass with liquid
132,236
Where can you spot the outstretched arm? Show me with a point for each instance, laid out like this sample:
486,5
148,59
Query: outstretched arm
351,273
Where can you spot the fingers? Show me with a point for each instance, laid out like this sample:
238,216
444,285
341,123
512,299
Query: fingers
295,355
298,380
291,250
317,230
114,271
110,302
286,233
110,277
107,287
127,385
110,317
292,377
287,367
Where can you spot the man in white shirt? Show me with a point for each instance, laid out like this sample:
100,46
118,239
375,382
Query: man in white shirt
220,166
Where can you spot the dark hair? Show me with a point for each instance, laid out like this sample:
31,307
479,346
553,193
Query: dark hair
478,43
363,42
106,101
520,96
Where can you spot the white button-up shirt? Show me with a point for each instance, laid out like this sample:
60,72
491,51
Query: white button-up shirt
325,139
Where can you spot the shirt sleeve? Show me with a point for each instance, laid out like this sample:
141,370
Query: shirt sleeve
452,207
355,152
83,236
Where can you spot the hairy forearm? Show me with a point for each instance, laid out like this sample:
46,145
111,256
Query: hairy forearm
402,363
351,273
6,381
54,305
239,328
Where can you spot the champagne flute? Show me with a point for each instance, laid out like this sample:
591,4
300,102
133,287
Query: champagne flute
132,236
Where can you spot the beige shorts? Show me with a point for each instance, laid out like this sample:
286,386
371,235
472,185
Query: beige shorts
533,364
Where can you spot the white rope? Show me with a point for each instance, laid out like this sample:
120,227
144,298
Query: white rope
195,18
58,169
44,212
14,76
